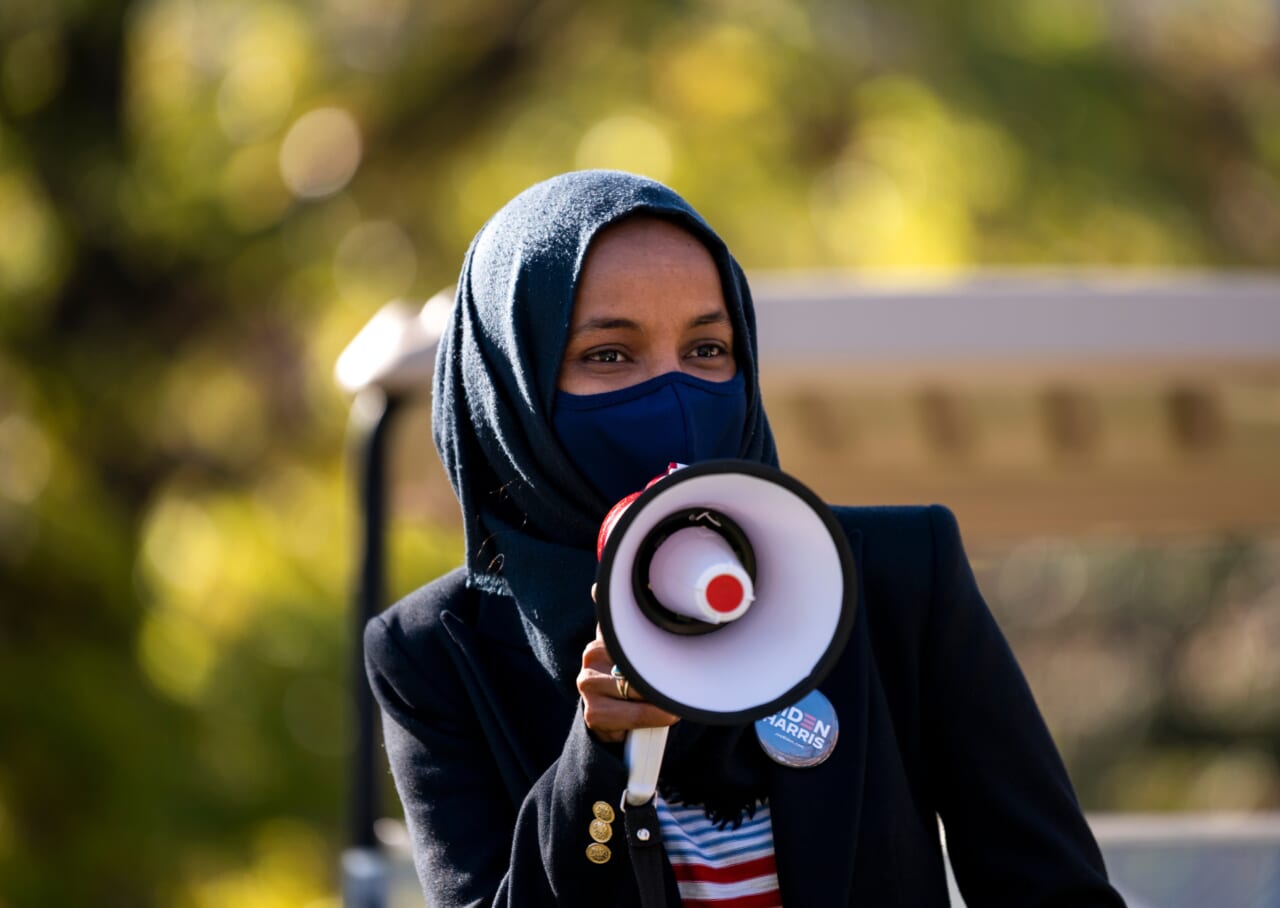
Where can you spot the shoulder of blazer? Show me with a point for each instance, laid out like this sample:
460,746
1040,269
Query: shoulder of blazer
419,614
411,635
901,548
434,651
897,542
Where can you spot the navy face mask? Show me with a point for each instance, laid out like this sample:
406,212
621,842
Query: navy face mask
619,440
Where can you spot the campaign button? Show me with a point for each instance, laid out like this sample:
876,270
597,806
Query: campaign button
801,735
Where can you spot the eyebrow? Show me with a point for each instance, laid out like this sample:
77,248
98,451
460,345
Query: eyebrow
609,323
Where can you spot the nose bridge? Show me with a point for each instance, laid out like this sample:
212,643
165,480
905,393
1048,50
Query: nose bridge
664,355
665,363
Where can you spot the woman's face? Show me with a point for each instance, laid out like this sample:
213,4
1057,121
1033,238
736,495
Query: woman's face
648,302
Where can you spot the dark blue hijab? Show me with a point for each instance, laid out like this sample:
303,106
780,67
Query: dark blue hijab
530,517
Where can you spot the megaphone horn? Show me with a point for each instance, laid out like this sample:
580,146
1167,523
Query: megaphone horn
725,592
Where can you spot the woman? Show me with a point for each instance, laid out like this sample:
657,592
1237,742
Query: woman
601,330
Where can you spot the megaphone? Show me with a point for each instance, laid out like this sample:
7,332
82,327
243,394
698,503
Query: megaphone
725,592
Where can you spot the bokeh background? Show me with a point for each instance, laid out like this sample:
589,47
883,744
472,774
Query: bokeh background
202,201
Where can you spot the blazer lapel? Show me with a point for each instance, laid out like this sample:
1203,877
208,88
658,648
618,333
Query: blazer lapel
816,811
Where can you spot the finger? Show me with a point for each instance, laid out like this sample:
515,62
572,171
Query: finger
610,718
598,675
597,680
608,715
610,727
596,656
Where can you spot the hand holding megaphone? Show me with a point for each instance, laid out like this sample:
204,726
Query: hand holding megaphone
724,593
608,713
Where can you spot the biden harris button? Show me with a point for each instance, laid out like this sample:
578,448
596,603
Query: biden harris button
800,735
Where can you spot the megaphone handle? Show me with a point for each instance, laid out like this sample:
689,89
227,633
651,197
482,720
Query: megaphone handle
643,752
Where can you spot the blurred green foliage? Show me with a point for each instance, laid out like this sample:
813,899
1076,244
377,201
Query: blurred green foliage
201,201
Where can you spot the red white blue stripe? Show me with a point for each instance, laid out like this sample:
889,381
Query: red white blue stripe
724,868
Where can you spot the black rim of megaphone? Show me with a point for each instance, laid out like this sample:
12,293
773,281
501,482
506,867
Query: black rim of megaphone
838,639
708,518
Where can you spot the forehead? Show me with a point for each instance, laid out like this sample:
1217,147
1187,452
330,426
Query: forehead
644,236
641,253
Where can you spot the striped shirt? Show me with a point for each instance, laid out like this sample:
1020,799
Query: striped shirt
725,868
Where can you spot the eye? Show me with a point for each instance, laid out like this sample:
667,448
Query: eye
603,356
709,350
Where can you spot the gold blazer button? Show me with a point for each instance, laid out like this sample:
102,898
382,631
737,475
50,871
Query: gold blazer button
602,811
598,854
601,831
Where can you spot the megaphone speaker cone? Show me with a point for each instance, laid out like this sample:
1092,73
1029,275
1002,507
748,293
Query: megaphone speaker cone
775,625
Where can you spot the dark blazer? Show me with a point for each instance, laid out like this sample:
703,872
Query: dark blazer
498,773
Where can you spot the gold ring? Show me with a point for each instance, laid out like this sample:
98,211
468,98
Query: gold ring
620,680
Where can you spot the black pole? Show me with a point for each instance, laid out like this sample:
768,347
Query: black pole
371,414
